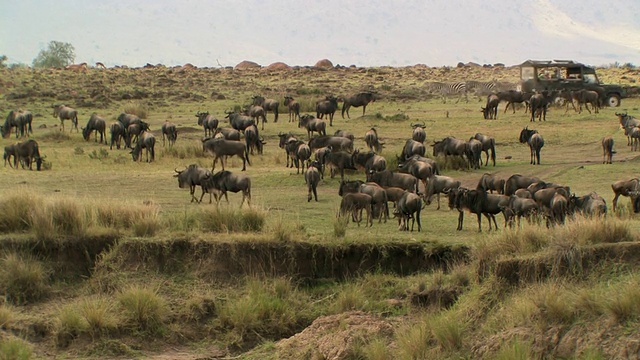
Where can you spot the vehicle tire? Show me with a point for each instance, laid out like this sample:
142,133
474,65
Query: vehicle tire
613,100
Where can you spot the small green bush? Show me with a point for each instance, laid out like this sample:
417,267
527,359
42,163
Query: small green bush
99,155
14,349
99,313
55,136
144,308
70,324
23,278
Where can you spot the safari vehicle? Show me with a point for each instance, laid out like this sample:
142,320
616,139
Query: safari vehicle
566,74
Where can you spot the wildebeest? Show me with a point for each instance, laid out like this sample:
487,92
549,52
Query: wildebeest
591,204
535,142
517,181
368,161
491,183
267,105
354,203
225,181
411,148
513,97
128,119
256,112
192,176
345,134
488,144
146,141
559,208
339,161
629,188
372,140
312,178
409,207
19,119
490,110
134,130
300,153
584,96
228,133
567,96
390,178
539,103
438,184
450,146
633,133
239,121
284,140
117,133
626,122
518,207
294,108
63,113
420,169
9,151
328,106
220,148
607,150
336,142
253,140
208,123
418,133
170,131
312,124
29,151
474,153
96,124
360,99
379,199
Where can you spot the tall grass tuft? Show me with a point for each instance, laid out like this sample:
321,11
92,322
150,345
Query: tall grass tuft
55,136
352,297
596,231
414,341
15,212
125,216
99,313
144,308
228,220
516,349
452,163
69,324
184,151
448,329
23,278
137,108
340,226
7,316
376,349
15,349
555,304
68,217
624,303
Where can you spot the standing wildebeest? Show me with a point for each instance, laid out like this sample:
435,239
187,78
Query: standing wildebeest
488,144
396,179
517,181
438,184
117,133
539,104
535,142
294,108
589,205
312,178
301,154
409,207
518,207
9,151
625,188
96,124
420,169
559,208
372,140
474,153
586,97
169,129
627,122
267,105
145,141
134,130
29,151
64,112
339,161
368,161
357,100
477,202
512,97
253,140
344,134
225,181
239,121
490,110
418,134
411,148
284,140
450,146
567,96
354,203
191,177
379,199
208,123
336,143
607,150
312,124
256,112
489,182
328,106
19,119
228,133
219,148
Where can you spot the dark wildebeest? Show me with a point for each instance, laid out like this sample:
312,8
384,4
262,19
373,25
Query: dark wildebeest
145,141
134,130
607,150
627,122
629,188
208,123
357,100
490,110
284,140
253,140
379,199
117,133
512,97
372,140
474,153
589,205
354,203
192,176
567,96
239,121
267,105
294,108
336,142
256,112
418,133
312,178
489,182
9,151
220,148
126,120
586,97
63,113
633,133
19,119
29,151
228,133
170,131
345,134
539,104
225,181
301,155
390,178
517,181
535,142
488,144
339,161
368,161
411,148
477,202
409,207
328,106
420,169
312,124
518,207
96,124
438,184
450,146
559,208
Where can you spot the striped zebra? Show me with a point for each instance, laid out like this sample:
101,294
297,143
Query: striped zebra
481,88
448,89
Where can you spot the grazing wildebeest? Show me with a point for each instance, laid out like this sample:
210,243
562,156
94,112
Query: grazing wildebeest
239,121
312,124
267,105
629,188
523,193
19,119
96,124
228,133
9,151
539,103
372,140
170,131
192,176
559,208
474,153
134,130
294,108
368,161
390,178
312,178
411,148
128,119
408,207
225,181
490,110
513,97
336,142
379,200
535,142
517,181
586,97
607,150
63,113
420,169
354,203
328,106
450,146
29,151
438,184
339,161
357,100
145,141
284,140
256,112
418,133
488,144
252,139
345,134
591,204
491,183
208,123
518,207
117,133
219,148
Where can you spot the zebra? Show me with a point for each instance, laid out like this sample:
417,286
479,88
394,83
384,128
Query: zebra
480,88
447,89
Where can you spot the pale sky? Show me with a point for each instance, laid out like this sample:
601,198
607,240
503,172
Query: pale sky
299,32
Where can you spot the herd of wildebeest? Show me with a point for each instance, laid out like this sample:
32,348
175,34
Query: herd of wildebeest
410,187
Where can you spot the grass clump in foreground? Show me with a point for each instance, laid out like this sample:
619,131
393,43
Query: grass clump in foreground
144,309
232,220
23,278
15,349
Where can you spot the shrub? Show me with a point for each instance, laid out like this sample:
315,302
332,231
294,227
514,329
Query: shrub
144,308
146,227
22,278
99,314
136,108
99,155
14,349
68,217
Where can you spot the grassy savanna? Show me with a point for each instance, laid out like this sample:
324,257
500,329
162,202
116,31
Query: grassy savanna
166,281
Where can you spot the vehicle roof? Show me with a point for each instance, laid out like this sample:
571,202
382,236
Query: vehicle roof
553,63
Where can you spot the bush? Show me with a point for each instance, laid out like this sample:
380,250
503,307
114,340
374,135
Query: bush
98,312
144,309
136,108
14,349
69,324
22,278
